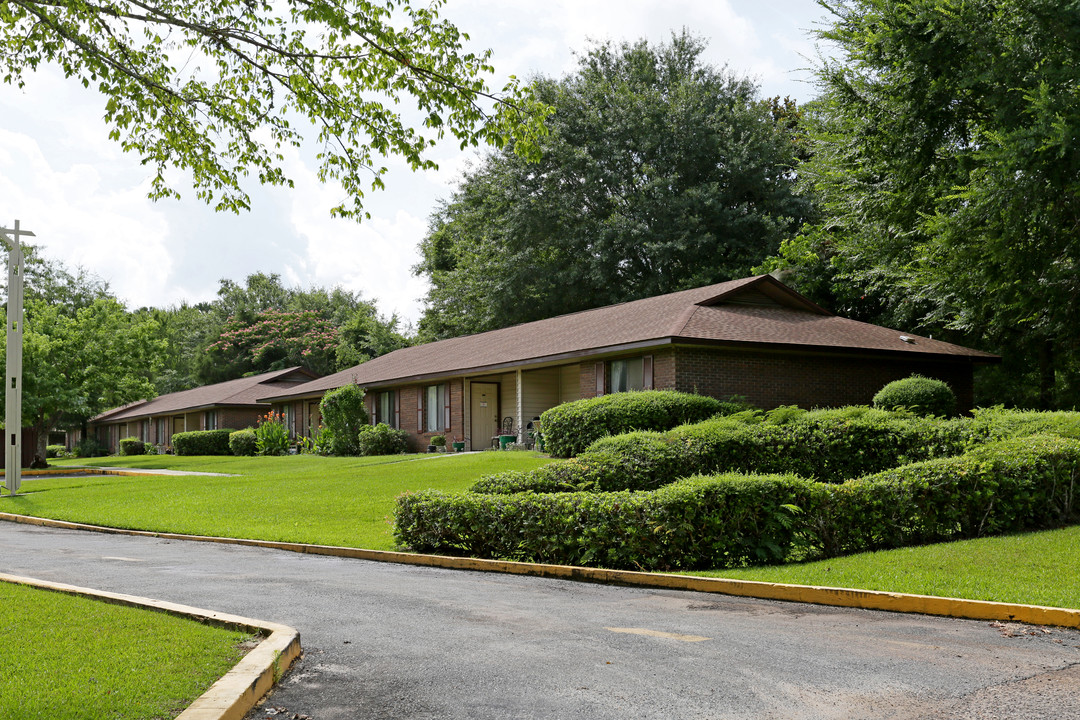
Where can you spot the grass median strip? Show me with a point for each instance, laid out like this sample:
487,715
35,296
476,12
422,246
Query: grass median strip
301,498
1037,568
73,657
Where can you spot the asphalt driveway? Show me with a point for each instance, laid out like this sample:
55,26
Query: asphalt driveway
396,641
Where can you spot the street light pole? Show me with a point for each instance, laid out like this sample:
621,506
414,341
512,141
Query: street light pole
13,377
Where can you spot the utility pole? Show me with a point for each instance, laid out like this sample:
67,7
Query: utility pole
13,379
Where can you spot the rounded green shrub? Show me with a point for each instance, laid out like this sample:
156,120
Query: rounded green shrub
55,451
343,412
917,394
243,442
571,427
132,446
90,447
381,439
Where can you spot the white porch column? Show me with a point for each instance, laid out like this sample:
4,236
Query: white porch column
520,408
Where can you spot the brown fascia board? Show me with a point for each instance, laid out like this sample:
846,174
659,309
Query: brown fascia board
185,411
600,353
833,350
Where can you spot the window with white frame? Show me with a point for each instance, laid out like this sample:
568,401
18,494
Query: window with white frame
210,420
627,374
435,408
385,408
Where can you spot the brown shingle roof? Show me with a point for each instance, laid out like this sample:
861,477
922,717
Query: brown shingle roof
239,392
756,311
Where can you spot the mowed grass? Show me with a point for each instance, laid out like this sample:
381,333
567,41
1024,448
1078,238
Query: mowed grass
1040,568
296,498
68,657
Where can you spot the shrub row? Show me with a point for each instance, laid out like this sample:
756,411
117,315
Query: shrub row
202,442
830,446
571,427
730,520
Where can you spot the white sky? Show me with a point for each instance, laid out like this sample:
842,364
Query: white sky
86,201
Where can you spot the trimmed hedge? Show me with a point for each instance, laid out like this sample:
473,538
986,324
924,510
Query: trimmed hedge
831,446
571,427
202,442
696,523
55,451
132,446
1020,484
728,520
243,442
918,394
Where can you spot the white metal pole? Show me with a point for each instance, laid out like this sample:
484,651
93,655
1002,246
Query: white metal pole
13,379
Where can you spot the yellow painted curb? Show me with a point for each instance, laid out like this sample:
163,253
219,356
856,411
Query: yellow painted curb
236,692
838,597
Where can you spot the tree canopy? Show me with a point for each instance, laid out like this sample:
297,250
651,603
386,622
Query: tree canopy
261,325
945,158
221,88
658,173
83,352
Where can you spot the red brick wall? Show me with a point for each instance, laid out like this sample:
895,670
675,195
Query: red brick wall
588,379
771,379
411,398
664,369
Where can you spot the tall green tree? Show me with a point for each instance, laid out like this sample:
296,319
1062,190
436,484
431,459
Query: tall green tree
945,155
83,352
221,88
658,173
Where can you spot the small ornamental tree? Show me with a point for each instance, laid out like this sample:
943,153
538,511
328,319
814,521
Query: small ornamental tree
344,414
276,340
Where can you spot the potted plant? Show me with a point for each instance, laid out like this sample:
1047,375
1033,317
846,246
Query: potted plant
438,443
459,446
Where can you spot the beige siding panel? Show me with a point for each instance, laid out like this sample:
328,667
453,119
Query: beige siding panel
541,391
507,396
569,383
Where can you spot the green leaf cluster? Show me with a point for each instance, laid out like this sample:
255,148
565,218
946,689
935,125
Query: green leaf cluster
658,173
345,416
945,161
224,89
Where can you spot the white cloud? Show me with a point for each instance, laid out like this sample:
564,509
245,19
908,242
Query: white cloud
374,258
111,231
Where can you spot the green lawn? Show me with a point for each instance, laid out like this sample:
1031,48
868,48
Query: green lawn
295,498
349,501
1040,568
69,657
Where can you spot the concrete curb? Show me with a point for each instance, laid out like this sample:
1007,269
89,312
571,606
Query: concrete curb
838,597
236,692
138,472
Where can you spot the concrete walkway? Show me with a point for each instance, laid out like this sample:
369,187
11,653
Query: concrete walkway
395,641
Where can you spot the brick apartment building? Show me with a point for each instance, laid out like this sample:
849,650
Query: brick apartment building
232,404
754,337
